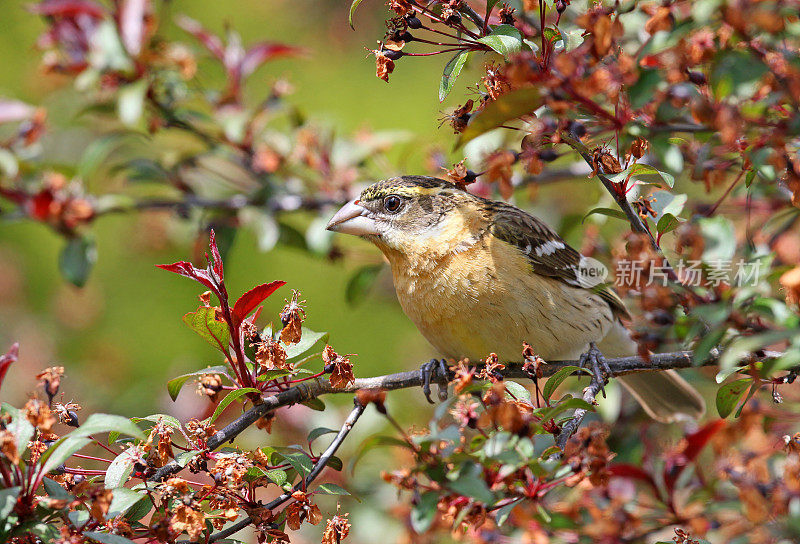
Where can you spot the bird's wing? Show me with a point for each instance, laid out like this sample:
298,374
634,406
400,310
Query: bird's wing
547,252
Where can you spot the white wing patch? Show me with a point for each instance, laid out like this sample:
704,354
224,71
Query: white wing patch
549,247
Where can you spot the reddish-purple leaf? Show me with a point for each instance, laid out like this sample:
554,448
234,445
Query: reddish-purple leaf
188,270
131,24
68,8
14,110
210,41
263,52
693,444
10,356
255,296
624,470
217,264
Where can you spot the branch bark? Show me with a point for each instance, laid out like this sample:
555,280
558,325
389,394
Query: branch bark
404,380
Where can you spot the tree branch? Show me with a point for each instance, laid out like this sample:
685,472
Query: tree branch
302,485
569,428
404,380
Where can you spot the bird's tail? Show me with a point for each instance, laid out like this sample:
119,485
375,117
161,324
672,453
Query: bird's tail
665,396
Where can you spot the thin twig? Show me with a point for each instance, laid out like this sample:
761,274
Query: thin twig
570,427
303,484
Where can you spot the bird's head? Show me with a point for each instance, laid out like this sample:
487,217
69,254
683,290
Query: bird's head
412,215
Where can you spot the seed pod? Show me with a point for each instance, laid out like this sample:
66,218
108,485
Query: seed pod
391,54
413,22
548,155
576,129
698,78
561,6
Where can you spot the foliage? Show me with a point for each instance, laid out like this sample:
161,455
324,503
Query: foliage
686,113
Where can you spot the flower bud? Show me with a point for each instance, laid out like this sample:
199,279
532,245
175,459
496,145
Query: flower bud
413,22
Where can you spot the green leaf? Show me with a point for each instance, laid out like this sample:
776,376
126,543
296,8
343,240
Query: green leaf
204,322
308,340
667,223
720,238
424,512
639,170
360,282
353,8
8,499
552,34
95,424
331,489
299,460
139,509
123,500
641,92
175,384
119,470
565,405
736,72
610,212
490,4
97,152
320,431
229,398
517,390
166,419
184,457
54,490
20,427
556,379
77,259
504,39
729,395
666,202
107,538
508,106
503,512
451,72
469,482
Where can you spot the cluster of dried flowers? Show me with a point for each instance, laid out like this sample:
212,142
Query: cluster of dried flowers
166,480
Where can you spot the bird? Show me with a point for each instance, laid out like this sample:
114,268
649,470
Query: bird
478,276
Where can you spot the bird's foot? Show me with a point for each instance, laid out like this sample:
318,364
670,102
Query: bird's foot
435,370
599,367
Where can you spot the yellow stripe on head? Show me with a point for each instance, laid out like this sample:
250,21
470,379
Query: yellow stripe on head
407,186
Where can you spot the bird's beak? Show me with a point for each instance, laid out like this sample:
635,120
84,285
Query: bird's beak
353,219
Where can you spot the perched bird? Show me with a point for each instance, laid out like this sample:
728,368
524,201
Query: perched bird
478,276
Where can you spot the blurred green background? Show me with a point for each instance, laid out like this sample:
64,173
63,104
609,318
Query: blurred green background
121,337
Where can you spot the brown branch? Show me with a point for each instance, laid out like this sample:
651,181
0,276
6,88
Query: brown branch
303,484
570,427
404,380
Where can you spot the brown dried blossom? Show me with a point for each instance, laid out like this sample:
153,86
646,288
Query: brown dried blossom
50,379
271,355
302,509
790,282
8,446
210,385
340,368
292,317
188,520
499,170
383,64
39,415
463,375
459,118
336,529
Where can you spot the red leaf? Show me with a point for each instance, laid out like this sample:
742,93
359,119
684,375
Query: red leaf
697,440
188,270
677,462
255,296
217,264
10,356
625,470
209,40
263,52
68,8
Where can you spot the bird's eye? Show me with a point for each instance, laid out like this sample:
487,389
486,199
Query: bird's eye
392,203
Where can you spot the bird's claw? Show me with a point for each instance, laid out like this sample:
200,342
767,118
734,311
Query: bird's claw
600,369
435,369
